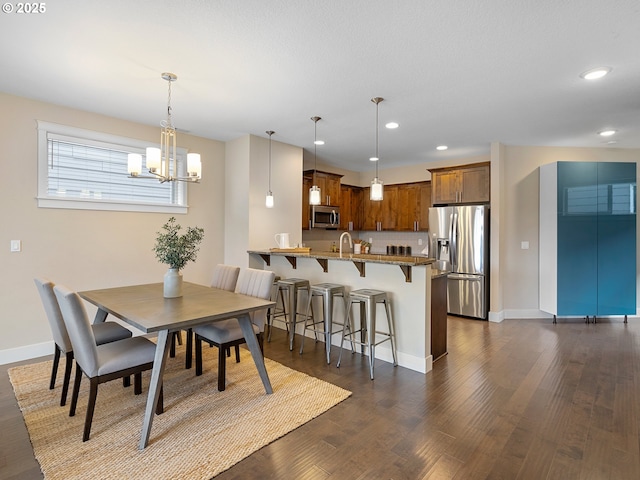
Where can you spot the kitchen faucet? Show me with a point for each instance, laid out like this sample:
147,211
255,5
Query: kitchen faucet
350,241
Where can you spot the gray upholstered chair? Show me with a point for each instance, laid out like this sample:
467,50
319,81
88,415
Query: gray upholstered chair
227,333
225,277
104,333
101,363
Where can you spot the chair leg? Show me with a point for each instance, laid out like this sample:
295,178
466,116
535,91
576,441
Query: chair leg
67,377
198,342
261,342
172,349
126,381
160,406
137,383
237,353
76,391
93,393
189,355
54,368
222,367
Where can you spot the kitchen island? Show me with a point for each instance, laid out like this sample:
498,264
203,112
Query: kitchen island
406,279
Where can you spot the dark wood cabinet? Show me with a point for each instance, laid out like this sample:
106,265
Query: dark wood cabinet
460,185
380,215
329,184
438,317
414,200
350,207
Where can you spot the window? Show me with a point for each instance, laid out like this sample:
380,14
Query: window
83,169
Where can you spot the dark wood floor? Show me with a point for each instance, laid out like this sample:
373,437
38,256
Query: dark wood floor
523,399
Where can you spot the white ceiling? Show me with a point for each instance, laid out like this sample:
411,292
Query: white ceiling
463,73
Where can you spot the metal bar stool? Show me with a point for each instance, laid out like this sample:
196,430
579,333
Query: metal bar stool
368,300
280,309
293,286
327,291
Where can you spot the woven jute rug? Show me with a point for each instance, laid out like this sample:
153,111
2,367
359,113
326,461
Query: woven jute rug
201,433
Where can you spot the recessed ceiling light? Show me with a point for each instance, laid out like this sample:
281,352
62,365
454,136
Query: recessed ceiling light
374,159
595,73
441,147
606,133
319,142
392,125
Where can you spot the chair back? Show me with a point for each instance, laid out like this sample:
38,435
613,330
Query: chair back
256,283
79,328
225,277
54,315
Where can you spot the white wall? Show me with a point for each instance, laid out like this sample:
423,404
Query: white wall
249,224
85,249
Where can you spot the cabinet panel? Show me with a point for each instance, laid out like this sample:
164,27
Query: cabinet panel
459,185
350,207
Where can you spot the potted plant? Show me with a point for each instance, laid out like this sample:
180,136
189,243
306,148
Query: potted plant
176,250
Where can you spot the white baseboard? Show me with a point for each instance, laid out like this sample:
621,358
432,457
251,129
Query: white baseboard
27,352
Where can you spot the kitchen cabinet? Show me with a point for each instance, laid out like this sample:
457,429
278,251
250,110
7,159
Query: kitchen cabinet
306,212
329,184
350,207
438,316
414,200
462,184
380,215
587,239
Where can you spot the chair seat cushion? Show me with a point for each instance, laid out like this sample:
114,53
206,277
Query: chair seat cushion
106,332
127,353
224,331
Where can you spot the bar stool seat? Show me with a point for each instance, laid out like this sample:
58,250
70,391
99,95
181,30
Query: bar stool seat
327,291
368,300
293,286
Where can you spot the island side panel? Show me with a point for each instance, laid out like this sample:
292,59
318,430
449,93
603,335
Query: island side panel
411,302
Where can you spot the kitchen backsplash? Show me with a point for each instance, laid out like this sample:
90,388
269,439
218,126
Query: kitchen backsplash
322,240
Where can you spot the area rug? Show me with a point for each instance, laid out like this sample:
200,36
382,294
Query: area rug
201,433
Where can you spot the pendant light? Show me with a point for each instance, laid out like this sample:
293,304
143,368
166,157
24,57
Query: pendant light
377,186
314,191
269,199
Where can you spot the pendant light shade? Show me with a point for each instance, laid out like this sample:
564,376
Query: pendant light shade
314,191
269,199
376,193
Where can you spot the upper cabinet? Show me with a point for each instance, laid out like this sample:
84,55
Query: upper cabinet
329,184
350,207
414,200
460,185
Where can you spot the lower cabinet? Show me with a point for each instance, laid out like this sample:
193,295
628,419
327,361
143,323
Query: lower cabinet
438,317
588,238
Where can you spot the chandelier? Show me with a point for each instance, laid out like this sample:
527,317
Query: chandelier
162,163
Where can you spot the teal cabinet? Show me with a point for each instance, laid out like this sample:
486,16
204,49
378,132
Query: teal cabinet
588,238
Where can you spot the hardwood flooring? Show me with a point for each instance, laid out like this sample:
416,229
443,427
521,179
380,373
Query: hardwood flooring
522,399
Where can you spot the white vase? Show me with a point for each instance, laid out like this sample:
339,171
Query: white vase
172,283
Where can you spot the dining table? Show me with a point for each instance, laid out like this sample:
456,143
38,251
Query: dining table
145,308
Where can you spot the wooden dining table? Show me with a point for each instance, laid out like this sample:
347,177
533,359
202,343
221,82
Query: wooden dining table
145,308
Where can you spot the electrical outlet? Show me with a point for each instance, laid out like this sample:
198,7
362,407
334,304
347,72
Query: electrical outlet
370,240
419,241
16,246
524,245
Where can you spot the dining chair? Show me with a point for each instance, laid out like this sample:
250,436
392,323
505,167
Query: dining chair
104,332
225,277
101,363
227,333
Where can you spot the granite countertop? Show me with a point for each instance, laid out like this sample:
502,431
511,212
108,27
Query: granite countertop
411,260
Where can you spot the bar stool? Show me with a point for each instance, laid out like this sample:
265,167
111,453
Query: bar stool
293,286
327,291
279,309
368,300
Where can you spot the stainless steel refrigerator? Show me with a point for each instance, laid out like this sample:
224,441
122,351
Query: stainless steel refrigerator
459,237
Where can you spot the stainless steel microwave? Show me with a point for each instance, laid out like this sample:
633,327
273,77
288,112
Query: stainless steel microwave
323,216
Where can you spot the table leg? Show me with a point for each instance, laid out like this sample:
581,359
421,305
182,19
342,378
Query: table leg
101,316
254,348
155,384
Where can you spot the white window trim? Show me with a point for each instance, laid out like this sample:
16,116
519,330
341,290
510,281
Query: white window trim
48,130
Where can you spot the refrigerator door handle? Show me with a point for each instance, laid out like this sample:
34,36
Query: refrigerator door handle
453,241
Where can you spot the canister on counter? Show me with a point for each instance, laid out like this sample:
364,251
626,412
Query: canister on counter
400,249
407,250
392,250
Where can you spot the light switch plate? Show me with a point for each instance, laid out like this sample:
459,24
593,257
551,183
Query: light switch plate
16,246
524,245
